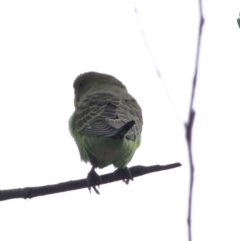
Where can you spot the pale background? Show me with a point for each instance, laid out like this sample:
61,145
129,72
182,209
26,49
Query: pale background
44,45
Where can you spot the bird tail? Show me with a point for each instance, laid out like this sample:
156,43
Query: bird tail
122,131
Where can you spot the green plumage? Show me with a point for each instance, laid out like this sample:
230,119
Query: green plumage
107,121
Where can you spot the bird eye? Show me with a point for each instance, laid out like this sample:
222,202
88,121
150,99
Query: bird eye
80,84
77,98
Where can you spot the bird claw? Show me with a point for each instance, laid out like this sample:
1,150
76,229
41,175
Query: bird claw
93,180
125,173
95,189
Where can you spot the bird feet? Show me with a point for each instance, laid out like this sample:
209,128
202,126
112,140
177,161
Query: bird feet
93,180
125,174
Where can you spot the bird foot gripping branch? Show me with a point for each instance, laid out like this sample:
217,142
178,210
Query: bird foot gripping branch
93,180
124,173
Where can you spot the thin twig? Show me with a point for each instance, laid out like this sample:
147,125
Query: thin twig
156,66
30,192
189,124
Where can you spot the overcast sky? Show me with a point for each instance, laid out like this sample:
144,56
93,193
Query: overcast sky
44,45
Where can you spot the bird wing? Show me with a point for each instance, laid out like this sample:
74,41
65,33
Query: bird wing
102,114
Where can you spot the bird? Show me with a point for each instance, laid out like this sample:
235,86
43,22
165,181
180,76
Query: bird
106,124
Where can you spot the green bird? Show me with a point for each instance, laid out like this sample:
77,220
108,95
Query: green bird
106,124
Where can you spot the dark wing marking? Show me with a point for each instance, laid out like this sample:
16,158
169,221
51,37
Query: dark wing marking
102,114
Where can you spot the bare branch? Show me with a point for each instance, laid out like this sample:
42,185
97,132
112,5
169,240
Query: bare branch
30,192
189,124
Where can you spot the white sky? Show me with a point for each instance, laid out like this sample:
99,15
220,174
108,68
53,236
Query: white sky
45,45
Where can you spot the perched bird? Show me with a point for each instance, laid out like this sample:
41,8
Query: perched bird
106,124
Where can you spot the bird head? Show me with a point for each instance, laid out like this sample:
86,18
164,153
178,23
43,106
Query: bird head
90,82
